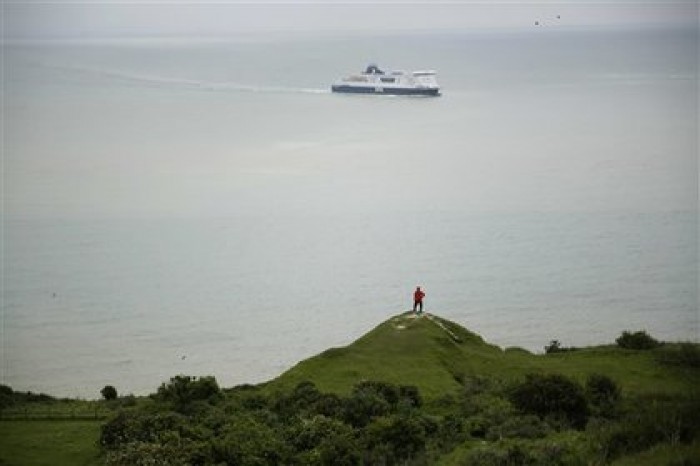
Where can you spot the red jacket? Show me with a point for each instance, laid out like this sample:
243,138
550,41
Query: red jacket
418,296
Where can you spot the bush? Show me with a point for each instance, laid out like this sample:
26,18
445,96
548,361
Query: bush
128,427
640,340
452,431
9,397
340,450
6,396
309,433
410,395
362,407
555,347
529,427
684,354
651,422
603,393
395,439
109,392
321,440
248,442
485,412
387,391
543,452
146,454
183,390
552,396
329,405
476,385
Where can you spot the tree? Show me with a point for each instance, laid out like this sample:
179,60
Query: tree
109,392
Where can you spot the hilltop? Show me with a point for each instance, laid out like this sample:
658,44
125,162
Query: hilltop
437,355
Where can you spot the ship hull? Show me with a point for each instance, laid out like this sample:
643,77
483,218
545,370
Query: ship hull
347,89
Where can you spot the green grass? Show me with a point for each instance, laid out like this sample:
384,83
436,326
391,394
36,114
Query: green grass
401,350
417,351
57,409
664,455
49,443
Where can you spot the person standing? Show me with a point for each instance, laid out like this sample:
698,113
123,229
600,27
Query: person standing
418,296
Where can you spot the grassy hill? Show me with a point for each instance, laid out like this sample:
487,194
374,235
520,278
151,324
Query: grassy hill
416,390
436,355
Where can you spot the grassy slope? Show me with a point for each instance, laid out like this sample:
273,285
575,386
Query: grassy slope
402,350
49,443
417,351
687,455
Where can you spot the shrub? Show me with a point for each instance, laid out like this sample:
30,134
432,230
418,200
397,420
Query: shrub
146,454
452,431
6,396
387,391
555,347
309,433
396,439
543,452
529,426
329,405
183,390
552,396
603,393
411,395
476,385
304,395
362,407
339,450
248,442
118,431
128,427
640,340
109,392
684,354
652,421
307,400
9,397
321,440
486,411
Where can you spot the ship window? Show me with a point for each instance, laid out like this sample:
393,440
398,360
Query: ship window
388,80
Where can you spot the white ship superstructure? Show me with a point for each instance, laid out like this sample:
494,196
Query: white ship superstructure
375,81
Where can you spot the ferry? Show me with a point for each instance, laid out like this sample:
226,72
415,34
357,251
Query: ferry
375,81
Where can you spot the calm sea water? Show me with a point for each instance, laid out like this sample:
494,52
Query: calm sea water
208,207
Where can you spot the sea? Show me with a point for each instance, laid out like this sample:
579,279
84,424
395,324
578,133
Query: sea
206,206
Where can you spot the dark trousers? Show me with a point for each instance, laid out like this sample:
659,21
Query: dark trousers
418,305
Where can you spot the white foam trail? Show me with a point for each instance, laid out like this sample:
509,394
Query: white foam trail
187,83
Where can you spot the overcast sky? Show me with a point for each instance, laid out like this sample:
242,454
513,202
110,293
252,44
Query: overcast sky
30,19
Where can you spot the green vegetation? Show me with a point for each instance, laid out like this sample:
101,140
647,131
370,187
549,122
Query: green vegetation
109,392
49,443
408,351
637,340
413,391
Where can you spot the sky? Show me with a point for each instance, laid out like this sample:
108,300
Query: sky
34,19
